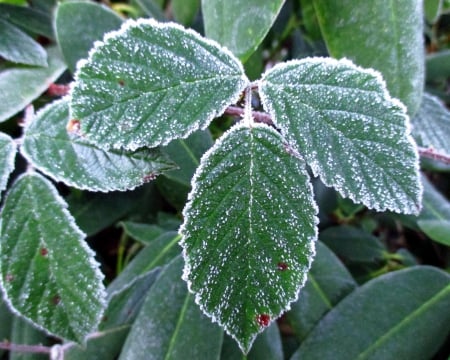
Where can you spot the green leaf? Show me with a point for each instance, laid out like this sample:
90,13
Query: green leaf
124,305
158,253
385,35
328,283
70,158
434,220
8,151
341,119
267,346
6,319
172,327
144,233
432,10
353,244
16,46
186,153
175,83
438,65
30,19
58,290
401,315
431,125
104,345
24,333
249,231
239,25
78,24
184,11
28,82
152,9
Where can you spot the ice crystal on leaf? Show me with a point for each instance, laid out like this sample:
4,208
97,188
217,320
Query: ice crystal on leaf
249,231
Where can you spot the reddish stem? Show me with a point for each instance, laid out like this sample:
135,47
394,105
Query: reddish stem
432,154
58,90
37,349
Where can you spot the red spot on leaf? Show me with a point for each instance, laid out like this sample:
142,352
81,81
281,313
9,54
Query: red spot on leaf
9,278
56,299
43,251
263,319
73,126
282,266
121,82
150,177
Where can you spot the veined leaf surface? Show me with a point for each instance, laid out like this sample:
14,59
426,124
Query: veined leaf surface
341,119
70,158
149,83
48,274
249,231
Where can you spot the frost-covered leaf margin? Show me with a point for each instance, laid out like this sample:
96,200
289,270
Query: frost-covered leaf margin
8,151
245,273
48,274
354,135
150,82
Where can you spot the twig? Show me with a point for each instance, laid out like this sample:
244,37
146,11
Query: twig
259,116
37,349
432,154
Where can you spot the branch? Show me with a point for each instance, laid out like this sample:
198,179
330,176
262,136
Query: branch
432,154
37,349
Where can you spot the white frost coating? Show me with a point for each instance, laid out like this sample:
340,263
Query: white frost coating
74,229
187,211
303,141
195,125
8,145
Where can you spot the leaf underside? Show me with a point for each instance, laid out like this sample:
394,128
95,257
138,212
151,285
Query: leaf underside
70,158
341,119
149,83
249,231
48,274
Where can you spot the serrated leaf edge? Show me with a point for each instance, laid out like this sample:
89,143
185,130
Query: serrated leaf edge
129,24
186,210
385,93
94,264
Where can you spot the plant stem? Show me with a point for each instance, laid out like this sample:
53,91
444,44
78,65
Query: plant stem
37,349
432,154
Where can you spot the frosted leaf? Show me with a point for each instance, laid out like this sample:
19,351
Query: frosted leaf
170,325
8,150
384,35
431,125
149,83
249,231
240,25
48,274
70,158
341,119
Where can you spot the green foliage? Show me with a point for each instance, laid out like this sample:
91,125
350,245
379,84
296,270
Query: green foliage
159,126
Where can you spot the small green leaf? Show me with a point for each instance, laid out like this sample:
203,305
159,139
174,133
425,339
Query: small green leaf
78,24
172,327
353,244
8,151
434,220
28,18
158,253
328,283
16,46
24,333
341,119
152,9
70,158
240,25
149,83
401,315
385,35
58,289
186,153
431,125
144,233
438,65
432,10
28,82
249,231
184,11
